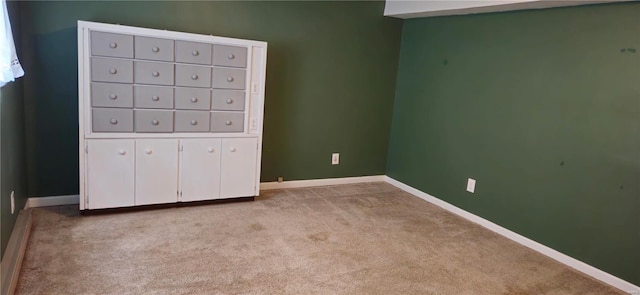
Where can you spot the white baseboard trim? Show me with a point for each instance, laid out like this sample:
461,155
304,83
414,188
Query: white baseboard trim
320,182
34,202
558,256
14,253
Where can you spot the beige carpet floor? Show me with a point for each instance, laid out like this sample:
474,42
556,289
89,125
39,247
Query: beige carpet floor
349,239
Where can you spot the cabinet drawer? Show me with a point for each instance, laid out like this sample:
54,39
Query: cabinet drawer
193,52
153,48
193,98
227,122
156,73
227,100
192,121
153,121
153,97
111,95
110,44
229,56
193,76
112,120
111,70
228,78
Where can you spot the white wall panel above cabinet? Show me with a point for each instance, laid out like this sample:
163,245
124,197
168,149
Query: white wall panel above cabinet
416,8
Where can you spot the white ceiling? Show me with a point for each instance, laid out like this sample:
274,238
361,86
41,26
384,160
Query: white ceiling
425,8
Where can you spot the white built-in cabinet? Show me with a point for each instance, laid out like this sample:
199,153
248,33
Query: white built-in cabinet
167,117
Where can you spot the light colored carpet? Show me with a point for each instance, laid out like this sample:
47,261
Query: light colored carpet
349,239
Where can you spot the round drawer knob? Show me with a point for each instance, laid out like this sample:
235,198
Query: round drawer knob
122,152
155,49
113,71
194,99
155,98
195,53
194,122
233,150
113,44
147,151
155,74
155,122
210,150
113,96
194,77
114,121
231,56
229,79
227,122
229,101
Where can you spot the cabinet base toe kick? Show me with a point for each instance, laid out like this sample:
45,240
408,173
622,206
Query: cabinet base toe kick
166,206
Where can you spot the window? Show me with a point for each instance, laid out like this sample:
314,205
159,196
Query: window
10,67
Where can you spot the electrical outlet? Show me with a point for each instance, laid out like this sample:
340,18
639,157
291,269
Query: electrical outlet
280,179
13,202
471,185
335,158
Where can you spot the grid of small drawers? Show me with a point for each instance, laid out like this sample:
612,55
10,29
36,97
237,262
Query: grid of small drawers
144,84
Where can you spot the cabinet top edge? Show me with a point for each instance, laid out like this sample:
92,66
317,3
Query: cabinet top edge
123,29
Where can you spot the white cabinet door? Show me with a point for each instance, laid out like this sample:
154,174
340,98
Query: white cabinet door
156,171
110,182
200,169
238,165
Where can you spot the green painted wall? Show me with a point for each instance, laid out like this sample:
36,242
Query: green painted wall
12,156
543,109
330,73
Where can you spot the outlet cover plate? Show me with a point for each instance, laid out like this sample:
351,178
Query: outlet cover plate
471,185
13,202
335,158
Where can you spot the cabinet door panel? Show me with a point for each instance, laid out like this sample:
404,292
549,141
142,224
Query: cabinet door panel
200,169
238,165
156,171
110,181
